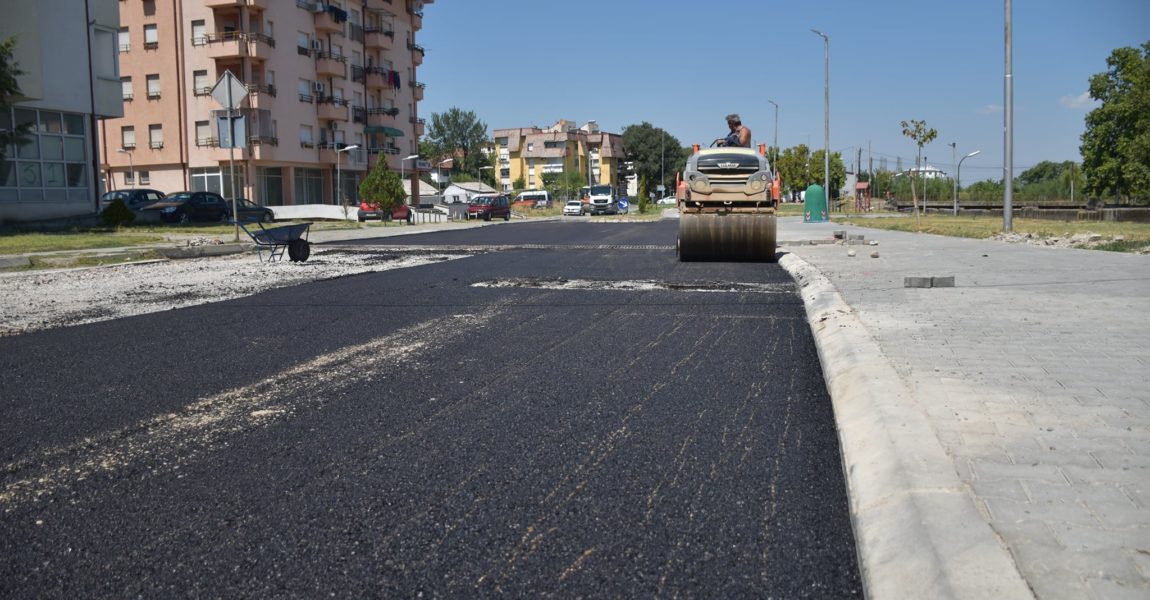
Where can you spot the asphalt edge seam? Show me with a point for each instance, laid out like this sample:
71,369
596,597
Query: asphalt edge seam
918,532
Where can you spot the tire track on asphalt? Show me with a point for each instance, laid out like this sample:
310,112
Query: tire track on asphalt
164,443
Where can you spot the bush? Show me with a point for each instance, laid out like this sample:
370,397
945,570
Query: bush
117,214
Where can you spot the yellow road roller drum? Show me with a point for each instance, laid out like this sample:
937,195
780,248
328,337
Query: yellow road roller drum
726,206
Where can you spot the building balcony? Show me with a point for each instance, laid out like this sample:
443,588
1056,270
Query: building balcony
260,4
417,90
330,64
416,54
378,39
326,22
379,78
416,20
332,109
418,125
231,45
378,117
262,148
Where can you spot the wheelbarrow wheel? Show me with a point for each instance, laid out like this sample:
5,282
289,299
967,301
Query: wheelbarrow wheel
298,250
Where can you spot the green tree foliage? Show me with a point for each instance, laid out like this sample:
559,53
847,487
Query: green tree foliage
382,188
9,89
837,172
922,135
794,168
1116,144
460,131
654,153
519,184
117,214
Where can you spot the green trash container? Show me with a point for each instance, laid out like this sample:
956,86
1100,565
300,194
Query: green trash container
815,205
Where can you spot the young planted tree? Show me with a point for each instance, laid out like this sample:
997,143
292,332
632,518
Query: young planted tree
9,90
382,188
917,131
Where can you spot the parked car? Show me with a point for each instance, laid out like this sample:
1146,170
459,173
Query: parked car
667,200
538,199
134,199
182,207
250,211
399,212
490,206
573,208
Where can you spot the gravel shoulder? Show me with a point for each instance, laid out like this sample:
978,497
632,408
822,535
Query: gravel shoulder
38,300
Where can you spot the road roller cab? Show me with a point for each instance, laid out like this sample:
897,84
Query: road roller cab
726,206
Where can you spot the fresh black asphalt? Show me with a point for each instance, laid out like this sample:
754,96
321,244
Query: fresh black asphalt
411,432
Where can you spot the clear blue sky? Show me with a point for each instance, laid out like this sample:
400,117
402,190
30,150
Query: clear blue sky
518,63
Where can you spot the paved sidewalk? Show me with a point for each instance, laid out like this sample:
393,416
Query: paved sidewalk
996,434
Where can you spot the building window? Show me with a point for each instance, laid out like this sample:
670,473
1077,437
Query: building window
151,37
308,188
204,134
199,33
156,136
125,41
128,137
305,138
271,185
200,84
153,86
126,88
145,177
129,177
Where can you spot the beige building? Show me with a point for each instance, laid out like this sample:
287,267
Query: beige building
532,152
67,51
321,77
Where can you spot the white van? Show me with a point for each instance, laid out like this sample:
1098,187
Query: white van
540,199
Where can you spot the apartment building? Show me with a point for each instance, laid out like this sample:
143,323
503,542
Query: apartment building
67,51
532,152
332,88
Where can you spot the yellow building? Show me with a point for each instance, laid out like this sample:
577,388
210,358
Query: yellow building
532,152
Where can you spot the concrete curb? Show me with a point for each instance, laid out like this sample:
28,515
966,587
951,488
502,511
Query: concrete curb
202,251
918,531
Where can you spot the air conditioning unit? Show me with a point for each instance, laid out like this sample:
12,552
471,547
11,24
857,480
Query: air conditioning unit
316,45
317,87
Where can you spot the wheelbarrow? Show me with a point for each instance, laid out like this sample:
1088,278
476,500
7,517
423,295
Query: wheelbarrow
276,240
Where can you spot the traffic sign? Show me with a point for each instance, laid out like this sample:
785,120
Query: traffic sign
229,91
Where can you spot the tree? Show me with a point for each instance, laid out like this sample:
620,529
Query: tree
1116,144
519,184
917,131
458,131
382,188
795,169
655,154
9,90
838,172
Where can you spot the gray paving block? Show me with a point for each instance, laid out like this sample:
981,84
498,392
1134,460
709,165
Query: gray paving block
947,281
14,262
916,282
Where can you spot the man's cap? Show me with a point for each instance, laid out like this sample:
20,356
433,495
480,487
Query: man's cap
734,117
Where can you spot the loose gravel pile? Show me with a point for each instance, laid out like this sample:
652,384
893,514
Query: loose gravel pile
36,300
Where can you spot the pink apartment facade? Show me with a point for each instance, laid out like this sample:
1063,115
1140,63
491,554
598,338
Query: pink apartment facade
321,77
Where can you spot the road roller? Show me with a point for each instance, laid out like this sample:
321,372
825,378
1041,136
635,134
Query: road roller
727,200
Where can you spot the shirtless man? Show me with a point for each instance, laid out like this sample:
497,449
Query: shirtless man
740,136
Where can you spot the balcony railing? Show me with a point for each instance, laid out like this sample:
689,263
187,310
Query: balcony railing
127,97
306,98
128,145
208,142
151,45
153,94
202,91
125,48
156,145
261,89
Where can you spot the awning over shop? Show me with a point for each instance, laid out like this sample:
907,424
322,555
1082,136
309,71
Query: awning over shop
384,129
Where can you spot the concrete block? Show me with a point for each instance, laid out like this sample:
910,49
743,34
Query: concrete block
947,281
841,234
14,262
916,282
856,237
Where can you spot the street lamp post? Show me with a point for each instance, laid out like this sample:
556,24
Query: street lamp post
401,173
439,170
131,165
958,176
338,180
826,113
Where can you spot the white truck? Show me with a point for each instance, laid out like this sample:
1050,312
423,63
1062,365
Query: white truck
603,200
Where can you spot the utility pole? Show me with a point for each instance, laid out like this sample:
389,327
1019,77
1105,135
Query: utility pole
1008,142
